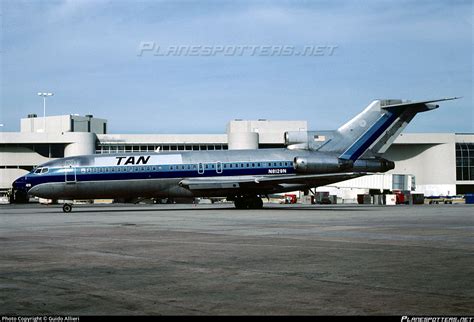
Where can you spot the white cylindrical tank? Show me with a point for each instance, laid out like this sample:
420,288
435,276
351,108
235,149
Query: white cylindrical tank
84,143
242,140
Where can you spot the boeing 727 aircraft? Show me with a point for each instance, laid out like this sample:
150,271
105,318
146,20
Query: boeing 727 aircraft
310,159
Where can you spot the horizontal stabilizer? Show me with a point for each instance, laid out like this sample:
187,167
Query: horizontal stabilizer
428,104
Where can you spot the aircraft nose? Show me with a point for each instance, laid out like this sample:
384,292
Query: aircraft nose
20,183
20,190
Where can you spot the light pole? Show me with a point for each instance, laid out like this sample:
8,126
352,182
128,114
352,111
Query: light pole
44,95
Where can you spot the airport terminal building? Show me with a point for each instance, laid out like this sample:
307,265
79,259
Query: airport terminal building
430,163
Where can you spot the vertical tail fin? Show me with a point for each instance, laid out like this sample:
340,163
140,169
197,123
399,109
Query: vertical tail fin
378,125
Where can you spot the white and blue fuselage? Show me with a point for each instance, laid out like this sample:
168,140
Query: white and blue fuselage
151,174
312,159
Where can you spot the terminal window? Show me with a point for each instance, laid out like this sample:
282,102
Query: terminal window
102,148
465,161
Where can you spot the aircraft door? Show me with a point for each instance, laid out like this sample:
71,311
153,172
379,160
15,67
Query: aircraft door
219,167
70,172
200,168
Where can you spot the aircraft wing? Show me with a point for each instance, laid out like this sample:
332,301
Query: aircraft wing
266,182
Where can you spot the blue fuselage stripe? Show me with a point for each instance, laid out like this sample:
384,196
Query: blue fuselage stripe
114,173
369,137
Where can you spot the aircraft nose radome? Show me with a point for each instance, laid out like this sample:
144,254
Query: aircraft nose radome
19,183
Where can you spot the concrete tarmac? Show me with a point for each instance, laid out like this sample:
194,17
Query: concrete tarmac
214,259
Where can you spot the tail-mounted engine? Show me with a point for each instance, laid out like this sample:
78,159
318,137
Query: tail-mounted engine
320,164
373,165
297,139
307,140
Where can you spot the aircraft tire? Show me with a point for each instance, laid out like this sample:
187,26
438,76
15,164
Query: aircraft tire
248,203
256,203
240,203
20,196
260,203
67,208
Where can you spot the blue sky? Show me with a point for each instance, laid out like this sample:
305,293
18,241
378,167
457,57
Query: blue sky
86,52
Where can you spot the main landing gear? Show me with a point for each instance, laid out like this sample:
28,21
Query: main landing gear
248,202
19,196
67,207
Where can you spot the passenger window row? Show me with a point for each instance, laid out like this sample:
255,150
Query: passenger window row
212,166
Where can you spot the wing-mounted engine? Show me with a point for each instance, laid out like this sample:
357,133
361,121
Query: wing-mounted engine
320,163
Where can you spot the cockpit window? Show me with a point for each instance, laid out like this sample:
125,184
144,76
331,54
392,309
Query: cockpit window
41,170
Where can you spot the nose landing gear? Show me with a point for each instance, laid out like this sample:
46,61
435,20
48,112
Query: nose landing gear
19,196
